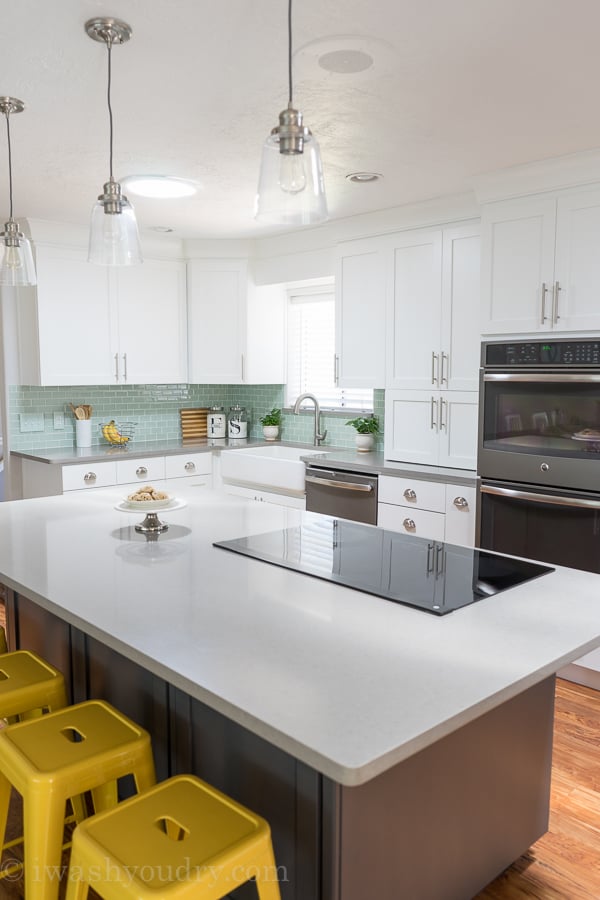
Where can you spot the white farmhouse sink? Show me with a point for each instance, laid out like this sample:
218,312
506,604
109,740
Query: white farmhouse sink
279,468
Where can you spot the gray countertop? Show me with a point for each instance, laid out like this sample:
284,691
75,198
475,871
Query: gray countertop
333,458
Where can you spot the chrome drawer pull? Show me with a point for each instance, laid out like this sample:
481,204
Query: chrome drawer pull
461,503
410,525
141,472
344,485
190,467
410,494
90,477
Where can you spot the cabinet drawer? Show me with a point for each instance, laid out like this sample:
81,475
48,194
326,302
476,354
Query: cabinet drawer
132,470
460,514
89,475
430,495
417,522
188,464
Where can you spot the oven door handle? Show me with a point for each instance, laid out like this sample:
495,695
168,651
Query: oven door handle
543,377
344,485
540,498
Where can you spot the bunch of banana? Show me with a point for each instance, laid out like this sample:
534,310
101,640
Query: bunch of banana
112,435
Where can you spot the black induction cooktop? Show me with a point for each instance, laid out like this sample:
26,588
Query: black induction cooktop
429,575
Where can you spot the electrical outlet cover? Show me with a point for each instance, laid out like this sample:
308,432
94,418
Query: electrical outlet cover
31,421
59,420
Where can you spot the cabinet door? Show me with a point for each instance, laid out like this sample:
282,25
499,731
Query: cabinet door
517,260
151,305
411,426
216,320
415,522
264,351
577,266
360,315
457,427
460,319
460,514
413,312
73,319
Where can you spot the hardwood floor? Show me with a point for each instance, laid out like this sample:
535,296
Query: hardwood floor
565,863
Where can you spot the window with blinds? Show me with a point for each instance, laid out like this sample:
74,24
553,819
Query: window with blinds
311,351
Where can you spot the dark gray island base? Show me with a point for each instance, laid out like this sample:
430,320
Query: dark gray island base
438,826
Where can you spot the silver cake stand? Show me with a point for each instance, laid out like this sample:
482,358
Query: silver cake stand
151,525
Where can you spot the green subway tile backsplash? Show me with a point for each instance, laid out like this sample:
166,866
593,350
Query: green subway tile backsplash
155,409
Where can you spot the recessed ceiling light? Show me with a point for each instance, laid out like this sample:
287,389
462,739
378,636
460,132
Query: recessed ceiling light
159,186
347,57
345,62
364,177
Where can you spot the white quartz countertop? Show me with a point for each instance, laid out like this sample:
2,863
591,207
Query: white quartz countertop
349,683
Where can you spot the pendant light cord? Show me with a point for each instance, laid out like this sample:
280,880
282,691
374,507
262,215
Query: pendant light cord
10,190
290,51
110,114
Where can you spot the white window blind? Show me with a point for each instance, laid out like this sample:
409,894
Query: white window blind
311,350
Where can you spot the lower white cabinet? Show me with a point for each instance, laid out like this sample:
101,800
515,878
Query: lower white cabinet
46,480
434,428
265,496
429,509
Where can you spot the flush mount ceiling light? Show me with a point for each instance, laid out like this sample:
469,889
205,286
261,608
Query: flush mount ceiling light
17,268
114,239
291,190
364,177
159,186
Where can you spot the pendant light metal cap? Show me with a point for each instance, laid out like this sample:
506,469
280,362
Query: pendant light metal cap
291,134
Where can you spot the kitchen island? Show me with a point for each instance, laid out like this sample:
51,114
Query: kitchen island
395,753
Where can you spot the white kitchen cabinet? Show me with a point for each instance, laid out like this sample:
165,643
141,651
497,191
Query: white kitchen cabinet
265,496
435,428
433,287
430,509
87,324
236,330
360,314
540,265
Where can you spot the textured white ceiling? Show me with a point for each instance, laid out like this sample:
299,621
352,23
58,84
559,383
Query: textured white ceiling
457,89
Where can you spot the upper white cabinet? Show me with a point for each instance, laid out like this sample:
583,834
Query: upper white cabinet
235,329
360,314
87,324
433,288
540,264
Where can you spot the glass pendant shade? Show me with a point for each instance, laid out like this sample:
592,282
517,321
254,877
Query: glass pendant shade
16,266
114,238
291,188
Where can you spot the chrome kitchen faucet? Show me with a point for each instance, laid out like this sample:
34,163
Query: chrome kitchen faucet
318,435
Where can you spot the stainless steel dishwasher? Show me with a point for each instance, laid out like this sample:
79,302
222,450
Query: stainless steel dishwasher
344,494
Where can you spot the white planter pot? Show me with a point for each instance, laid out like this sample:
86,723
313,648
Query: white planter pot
364,442
271,432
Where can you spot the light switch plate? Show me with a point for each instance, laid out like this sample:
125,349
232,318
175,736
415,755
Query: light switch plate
59,421
31,421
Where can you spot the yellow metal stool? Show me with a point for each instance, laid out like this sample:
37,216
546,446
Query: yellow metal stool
29,684
56,757
181,839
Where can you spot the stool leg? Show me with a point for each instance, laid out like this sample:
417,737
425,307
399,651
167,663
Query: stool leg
43,816
76,888
5,789
105,796
265,872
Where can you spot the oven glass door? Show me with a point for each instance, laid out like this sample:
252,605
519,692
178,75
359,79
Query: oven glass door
559,527
552,414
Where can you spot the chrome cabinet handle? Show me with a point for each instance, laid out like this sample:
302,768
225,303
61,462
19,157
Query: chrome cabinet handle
336,369
555,290
90,477
116,366
544,292
446,357
124,367
443,423
190,467
141,471
242,359
460,503
410,494
410,525
433,418
435,367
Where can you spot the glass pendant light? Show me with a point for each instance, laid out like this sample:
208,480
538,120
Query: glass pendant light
114,239
17,268
291,190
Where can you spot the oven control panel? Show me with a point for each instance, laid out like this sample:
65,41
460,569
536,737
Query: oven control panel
541,353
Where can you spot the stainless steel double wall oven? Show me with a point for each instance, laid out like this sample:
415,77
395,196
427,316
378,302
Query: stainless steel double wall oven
539,450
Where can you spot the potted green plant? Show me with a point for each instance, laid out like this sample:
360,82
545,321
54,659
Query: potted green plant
366,429
271,423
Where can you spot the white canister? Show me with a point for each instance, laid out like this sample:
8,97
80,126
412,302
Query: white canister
83,432
237,426
216,422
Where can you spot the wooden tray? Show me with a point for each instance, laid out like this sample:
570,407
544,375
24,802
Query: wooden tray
193,423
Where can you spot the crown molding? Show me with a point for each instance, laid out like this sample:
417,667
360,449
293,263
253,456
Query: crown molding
551,174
